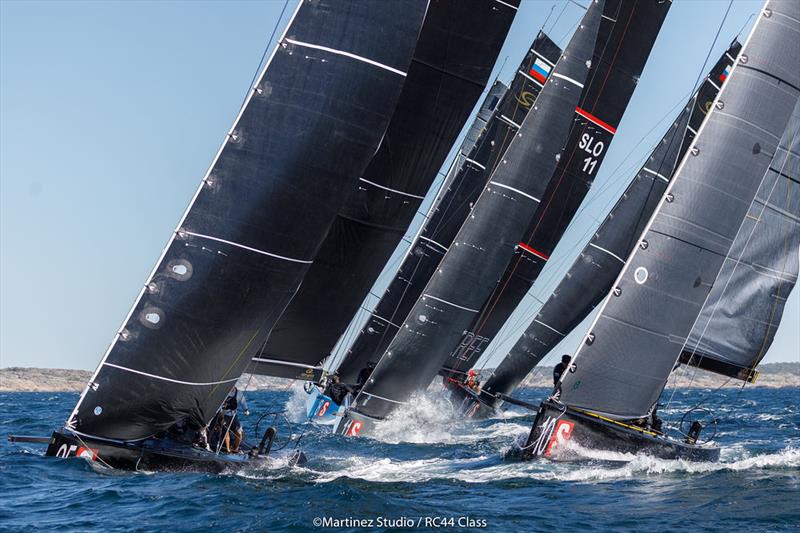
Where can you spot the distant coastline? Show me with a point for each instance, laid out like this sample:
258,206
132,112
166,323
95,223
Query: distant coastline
19,379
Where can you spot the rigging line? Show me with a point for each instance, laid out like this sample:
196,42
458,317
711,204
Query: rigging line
541,30
264,55
563,8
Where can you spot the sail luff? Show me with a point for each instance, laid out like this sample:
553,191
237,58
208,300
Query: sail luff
237,256
624,363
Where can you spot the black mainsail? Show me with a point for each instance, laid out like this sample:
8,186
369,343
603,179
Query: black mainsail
627,34
738,322
455,54
593,272
306,133
460,191
468,272
640,331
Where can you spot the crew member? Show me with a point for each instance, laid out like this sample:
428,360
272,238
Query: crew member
336,390
364,375
560,368
472,381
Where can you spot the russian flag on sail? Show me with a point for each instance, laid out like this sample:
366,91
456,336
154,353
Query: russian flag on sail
725,73
540,70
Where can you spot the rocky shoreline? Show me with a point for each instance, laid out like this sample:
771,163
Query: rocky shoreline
18,379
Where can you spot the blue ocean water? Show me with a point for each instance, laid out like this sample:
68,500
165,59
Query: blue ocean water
424,467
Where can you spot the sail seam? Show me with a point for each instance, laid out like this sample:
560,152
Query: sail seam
450,303
392,190
549,327
540,56
379,317
482,167
526,195
382,398
283,257
509,121
506,4
346,54
154,376
537,82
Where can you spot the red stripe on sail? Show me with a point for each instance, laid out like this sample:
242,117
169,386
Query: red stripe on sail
605,125
534,251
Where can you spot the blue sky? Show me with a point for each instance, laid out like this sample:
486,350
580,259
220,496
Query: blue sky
111,112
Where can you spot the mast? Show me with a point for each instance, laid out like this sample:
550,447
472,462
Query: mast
634,342
593,272
627,34
467,273
460,191
302,139
454,57
738,322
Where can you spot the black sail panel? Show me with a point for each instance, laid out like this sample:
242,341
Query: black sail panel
468,272
460,191
627,34
455,54
304,136
745,307
593,272
639,333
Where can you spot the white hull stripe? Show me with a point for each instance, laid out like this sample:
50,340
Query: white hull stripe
475,163
548,327
284,363
126,369
382,398
346,54
566,78
242,246
530,78
433,242
379,317
612,254
526,195
691,129
540,56
656,174
608,18
451,303
509,121
392,190
505,4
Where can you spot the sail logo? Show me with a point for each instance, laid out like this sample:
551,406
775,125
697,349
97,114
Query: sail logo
526,99
354,429
725,73
561,434
471,344
540,70
86,453
324,408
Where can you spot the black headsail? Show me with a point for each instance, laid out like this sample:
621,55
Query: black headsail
627,34
640,331
455,54
468,272
304,136
460,191
745,307
593,272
